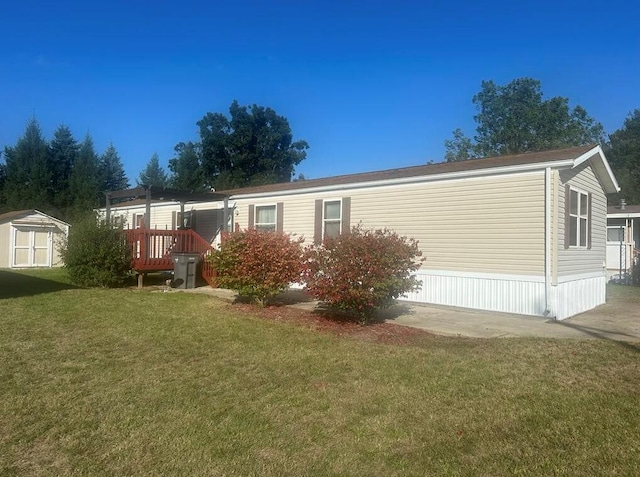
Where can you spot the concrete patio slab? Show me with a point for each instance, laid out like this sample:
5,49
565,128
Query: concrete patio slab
620,322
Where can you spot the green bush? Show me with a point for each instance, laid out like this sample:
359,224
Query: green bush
362,271
258,265
95,254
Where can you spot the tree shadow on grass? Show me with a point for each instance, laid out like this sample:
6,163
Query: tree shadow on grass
18,284
620,338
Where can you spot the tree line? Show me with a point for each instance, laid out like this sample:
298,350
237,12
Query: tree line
67,178
516,118
62,177
253,145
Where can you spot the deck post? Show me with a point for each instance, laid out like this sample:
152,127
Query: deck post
147,222
108,206
140,280
225,215
148,209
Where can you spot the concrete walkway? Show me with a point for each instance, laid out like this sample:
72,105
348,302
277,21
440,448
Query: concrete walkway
610,321
450,321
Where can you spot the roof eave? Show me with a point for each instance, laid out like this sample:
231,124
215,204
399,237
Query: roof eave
538,166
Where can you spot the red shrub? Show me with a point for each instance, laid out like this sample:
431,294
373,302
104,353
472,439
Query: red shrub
363,270
258,264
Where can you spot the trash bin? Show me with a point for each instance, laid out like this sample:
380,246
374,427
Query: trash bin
185,269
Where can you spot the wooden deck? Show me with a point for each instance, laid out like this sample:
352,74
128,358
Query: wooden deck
153,249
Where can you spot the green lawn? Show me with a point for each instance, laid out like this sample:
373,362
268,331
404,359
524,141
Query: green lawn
128,382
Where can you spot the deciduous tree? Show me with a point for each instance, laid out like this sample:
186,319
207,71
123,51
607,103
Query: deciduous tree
623,152
186,172
254,146
515,118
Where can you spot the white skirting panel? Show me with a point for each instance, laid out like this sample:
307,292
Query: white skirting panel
504,293
576,296
523,295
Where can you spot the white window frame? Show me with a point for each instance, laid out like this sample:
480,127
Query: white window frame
137,219
576,218
187,216
266,226
325,220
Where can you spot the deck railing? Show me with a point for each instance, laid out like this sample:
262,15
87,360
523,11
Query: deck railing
152,249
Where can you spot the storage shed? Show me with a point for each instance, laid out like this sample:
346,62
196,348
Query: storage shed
30,238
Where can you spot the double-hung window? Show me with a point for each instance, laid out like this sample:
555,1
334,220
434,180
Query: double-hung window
265,218
332,218
578,219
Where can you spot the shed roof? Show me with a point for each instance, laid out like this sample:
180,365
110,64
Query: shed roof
572,156
19,214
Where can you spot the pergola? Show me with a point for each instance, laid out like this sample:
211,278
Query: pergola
168,194
155,246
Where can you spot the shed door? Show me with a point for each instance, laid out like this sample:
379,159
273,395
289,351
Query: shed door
32,247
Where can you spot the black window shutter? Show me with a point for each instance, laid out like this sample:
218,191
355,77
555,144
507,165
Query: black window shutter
346,215
589,221
252,210
567,215
174,221
279,216
317,224
193,219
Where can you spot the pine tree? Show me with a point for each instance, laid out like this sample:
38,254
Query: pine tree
84,184
63,151
28,181
112,173
153,174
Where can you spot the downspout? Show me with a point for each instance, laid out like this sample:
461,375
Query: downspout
225,215
547,241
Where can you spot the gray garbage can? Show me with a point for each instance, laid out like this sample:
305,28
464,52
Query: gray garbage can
185,269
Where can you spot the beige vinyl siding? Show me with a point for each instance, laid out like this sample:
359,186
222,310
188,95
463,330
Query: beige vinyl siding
555,185
5,245
484,225
575,261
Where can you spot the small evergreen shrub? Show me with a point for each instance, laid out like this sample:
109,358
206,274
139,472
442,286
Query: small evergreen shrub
258,265
95,254
362,271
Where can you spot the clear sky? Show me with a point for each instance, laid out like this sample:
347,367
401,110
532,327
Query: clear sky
369,84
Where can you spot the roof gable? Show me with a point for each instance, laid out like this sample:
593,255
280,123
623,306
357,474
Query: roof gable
19,214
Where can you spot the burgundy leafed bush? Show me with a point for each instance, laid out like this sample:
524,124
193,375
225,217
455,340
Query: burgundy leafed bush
362,271
257,264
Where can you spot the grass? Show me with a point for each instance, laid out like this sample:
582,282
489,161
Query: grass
127,382
623,294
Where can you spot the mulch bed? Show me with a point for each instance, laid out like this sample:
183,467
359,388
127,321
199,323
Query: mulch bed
337,324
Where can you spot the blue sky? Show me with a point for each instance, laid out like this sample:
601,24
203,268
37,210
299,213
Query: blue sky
370,85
